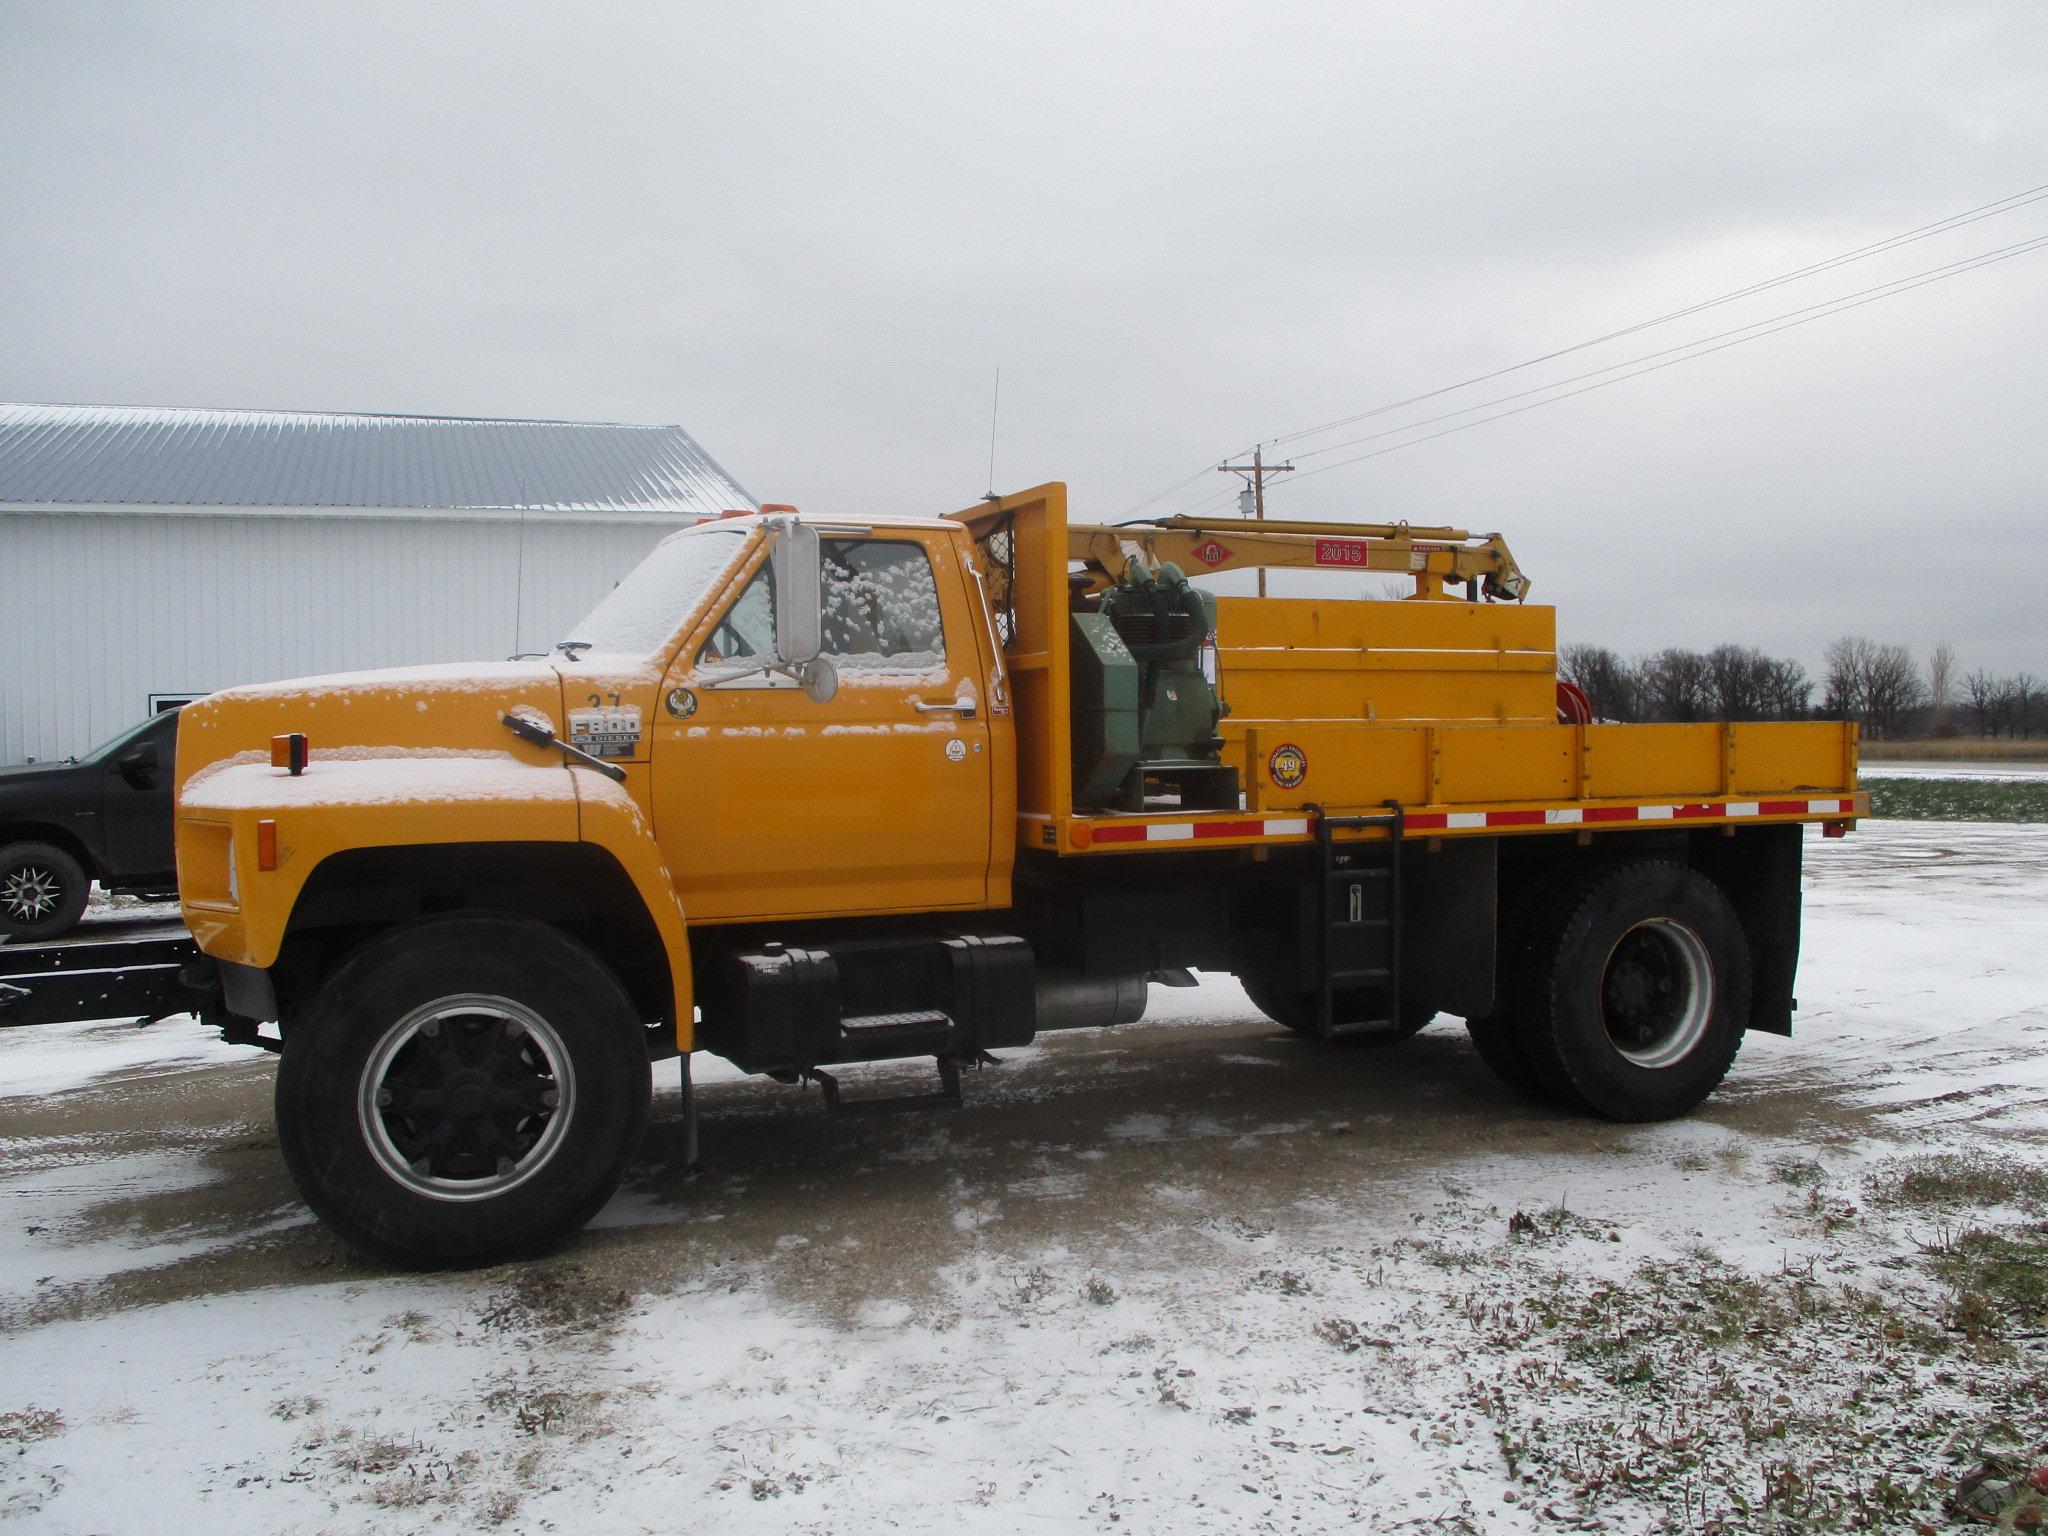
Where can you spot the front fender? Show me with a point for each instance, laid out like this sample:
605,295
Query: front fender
612,819
239,911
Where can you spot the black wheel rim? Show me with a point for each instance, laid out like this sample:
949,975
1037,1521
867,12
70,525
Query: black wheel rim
466,1098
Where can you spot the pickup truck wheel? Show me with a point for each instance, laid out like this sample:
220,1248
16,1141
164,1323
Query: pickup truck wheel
1297,1010
463,1089
42,891
1635,993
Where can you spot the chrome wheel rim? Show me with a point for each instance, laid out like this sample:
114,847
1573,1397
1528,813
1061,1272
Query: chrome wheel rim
1657,993
466,1098
29,893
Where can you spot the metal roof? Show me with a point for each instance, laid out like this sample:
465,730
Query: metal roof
120,455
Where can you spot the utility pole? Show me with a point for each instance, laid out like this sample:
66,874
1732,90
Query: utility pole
1255,488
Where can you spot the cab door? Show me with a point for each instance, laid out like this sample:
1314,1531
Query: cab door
136,818
768,803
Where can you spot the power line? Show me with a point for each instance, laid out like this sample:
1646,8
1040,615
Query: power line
1985,261
1890,243
1201,474
1953,268
1861,253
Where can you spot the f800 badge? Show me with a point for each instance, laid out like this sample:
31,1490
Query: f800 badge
602,732
1288,765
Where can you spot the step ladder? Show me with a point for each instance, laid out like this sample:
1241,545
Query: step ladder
1360,928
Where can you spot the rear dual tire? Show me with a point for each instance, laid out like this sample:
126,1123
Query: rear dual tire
1626,997
463,1089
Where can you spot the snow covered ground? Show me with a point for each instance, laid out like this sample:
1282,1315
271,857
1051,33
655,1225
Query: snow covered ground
2022,773
1191,1275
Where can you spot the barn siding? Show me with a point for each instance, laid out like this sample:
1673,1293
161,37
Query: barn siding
98,612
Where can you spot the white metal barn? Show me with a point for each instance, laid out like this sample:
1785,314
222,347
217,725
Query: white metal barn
148,556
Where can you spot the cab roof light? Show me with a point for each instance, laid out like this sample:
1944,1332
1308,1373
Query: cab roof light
289,753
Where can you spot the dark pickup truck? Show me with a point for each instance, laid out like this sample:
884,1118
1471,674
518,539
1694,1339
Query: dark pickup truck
105,816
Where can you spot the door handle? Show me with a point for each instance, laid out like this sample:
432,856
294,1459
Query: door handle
964,711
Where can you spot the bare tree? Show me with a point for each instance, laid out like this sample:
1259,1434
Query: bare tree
1609,681
1742,678
2024,692
1891,688
1675,685
1846,689
1786,690
1941,690
1985,695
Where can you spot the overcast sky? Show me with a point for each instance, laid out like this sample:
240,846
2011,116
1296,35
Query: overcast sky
811,234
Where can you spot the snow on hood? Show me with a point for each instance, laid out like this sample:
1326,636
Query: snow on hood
453,709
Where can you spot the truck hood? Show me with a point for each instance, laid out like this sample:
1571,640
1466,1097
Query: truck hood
452,710
12,774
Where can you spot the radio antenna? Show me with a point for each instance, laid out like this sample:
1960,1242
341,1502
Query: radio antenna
994,408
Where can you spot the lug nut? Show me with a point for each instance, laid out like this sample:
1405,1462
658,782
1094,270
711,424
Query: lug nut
431,1028
384,1097
550,1097
506,1165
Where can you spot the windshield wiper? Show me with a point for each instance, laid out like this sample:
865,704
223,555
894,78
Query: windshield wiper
542,735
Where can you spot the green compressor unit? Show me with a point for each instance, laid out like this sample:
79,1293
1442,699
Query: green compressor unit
1144,715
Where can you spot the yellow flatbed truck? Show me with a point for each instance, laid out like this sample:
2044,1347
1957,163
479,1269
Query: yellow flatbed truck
805,792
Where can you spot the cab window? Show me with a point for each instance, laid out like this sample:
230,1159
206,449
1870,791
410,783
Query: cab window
881,611
881,606
747,632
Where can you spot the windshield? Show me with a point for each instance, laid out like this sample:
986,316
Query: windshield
107,749
642,612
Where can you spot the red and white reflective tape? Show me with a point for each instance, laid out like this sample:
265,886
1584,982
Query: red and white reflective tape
1468,821
1201,831
1596,815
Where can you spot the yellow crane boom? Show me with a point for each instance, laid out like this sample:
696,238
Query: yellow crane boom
1437,559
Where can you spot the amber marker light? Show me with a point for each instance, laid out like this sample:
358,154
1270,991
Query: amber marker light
289,753
266,843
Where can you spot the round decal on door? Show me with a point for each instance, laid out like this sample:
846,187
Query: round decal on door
682,703
1288,765
956,750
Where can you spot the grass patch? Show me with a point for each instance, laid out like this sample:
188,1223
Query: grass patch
1691,1396
1957,800
1955,749
1949,1181
2000,1280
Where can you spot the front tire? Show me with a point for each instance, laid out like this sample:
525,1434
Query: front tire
463,1089
42,891
1635,992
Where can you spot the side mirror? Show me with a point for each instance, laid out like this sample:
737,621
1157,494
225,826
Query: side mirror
820,680
139,762
796,563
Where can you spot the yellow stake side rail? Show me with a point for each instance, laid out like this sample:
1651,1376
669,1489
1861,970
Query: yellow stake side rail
1481,780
